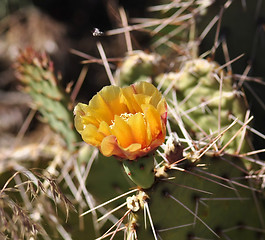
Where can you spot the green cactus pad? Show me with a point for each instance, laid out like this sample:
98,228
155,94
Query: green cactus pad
107,178
210,200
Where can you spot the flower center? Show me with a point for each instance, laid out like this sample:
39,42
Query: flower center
124,116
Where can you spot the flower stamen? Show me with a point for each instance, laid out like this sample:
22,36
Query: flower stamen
125,117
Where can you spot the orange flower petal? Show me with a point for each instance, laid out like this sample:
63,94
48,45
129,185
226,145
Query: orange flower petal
133,151
109,147
133,148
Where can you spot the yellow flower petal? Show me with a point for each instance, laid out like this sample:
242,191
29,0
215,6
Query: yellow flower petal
128,98
100,109
111,95
79,112
104,128
148,89
122,131
142,99
106,104
78,124
162,107
153,119
145,88
80,109
138,128
91,135
90,120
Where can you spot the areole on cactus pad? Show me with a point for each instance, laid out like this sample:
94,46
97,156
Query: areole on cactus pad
128,122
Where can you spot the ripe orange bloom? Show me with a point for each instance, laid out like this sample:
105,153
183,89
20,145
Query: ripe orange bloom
125,122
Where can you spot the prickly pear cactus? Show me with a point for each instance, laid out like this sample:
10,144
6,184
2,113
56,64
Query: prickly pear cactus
35,71
206,100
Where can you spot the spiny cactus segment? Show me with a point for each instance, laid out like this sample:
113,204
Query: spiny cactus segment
205,100
35,71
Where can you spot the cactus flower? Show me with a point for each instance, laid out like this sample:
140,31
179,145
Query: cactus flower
127,122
